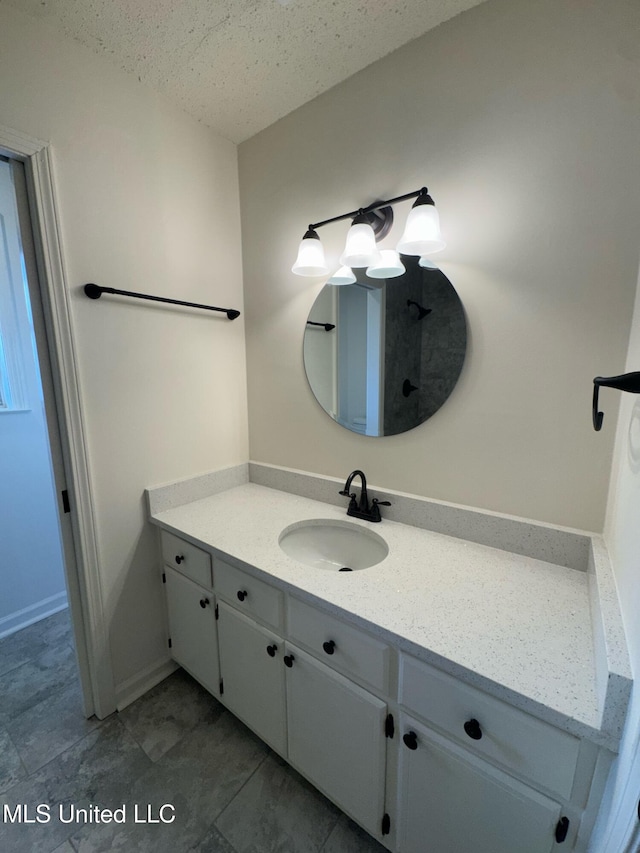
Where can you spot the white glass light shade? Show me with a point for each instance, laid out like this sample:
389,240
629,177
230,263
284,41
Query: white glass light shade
427,263
342,276
388,265
422,232
360,249
310,260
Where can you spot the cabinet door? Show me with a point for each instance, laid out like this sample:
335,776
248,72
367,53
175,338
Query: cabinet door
253,675
448,805
192,628
336,738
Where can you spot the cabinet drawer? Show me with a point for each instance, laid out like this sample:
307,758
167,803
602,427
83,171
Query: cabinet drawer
508,736
250,595
186,558
339,645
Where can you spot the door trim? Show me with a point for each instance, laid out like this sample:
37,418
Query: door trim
81,554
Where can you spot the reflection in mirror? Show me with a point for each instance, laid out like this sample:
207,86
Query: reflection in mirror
382,356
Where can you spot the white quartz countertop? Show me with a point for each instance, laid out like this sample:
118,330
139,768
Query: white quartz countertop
515,626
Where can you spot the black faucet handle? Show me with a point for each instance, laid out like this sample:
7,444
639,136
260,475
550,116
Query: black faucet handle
352,499
381,503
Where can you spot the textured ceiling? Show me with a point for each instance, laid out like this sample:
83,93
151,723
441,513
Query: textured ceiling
240,65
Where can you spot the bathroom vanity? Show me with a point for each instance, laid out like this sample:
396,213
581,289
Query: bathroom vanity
450,691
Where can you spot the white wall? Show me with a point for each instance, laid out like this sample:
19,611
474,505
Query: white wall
523,120
148,200
33,583
622,533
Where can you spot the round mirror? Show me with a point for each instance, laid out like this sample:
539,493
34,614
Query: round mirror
382,355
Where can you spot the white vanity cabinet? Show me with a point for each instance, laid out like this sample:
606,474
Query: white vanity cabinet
336,737
449,802
424,762
460,750
329,729
253,675
192,629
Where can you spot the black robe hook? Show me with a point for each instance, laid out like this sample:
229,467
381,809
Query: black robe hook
625,382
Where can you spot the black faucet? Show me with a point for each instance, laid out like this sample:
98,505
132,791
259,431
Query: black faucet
363,509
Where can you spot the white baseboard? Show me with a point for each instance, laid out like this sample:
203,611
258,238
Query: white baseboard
34,613
136,686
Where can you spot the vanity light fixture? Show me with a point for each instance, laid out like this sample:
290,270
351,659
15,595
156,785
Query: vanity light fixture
360,249
422,231
421,237
388,265
310,260
343,276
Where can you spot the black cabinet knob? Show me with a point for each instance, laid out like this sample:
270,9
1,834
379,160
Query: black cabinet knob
242,594
472,728
329,647
271,650
204,602
410,740
179,559
288,660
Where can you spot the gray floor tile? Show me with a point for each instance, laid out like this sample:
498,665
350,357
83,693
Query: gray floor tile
55,629
176,745
198,777
49,727
160,718
27,644
277,811
36,680
213,842
65,847
92,771
348,837
11,768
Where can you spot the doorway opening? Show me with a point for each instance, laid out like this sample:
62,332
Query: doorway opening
37,656
48,341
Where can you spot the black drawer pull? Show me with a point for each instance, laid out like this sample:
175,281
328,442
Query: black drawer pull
271,650
288,660
410,740
179,559
329,647
242,594
472,728
204,602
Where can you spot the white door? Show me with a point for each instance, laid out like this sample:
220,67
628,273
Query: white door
253,674
192,628
336,737
448,805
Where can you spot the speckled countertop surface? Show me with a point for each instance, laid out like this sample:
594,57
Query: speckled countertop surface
517,627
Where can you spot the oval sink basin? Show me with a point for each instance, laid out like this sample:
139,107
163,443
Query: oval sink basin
334,545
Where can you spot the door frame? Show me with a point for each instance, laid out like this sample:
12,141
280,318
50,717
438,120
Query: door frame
65,419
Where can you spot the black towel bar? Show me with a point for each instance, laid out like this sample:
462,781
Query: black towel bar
95,291
326,326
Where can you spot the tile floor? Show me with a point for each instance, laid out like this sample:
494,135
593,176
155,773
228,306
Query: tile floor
176,745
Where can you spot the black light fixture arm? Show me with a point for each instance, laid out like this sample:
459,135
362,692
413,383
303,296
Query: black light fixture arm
625,382
95,291
375,206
